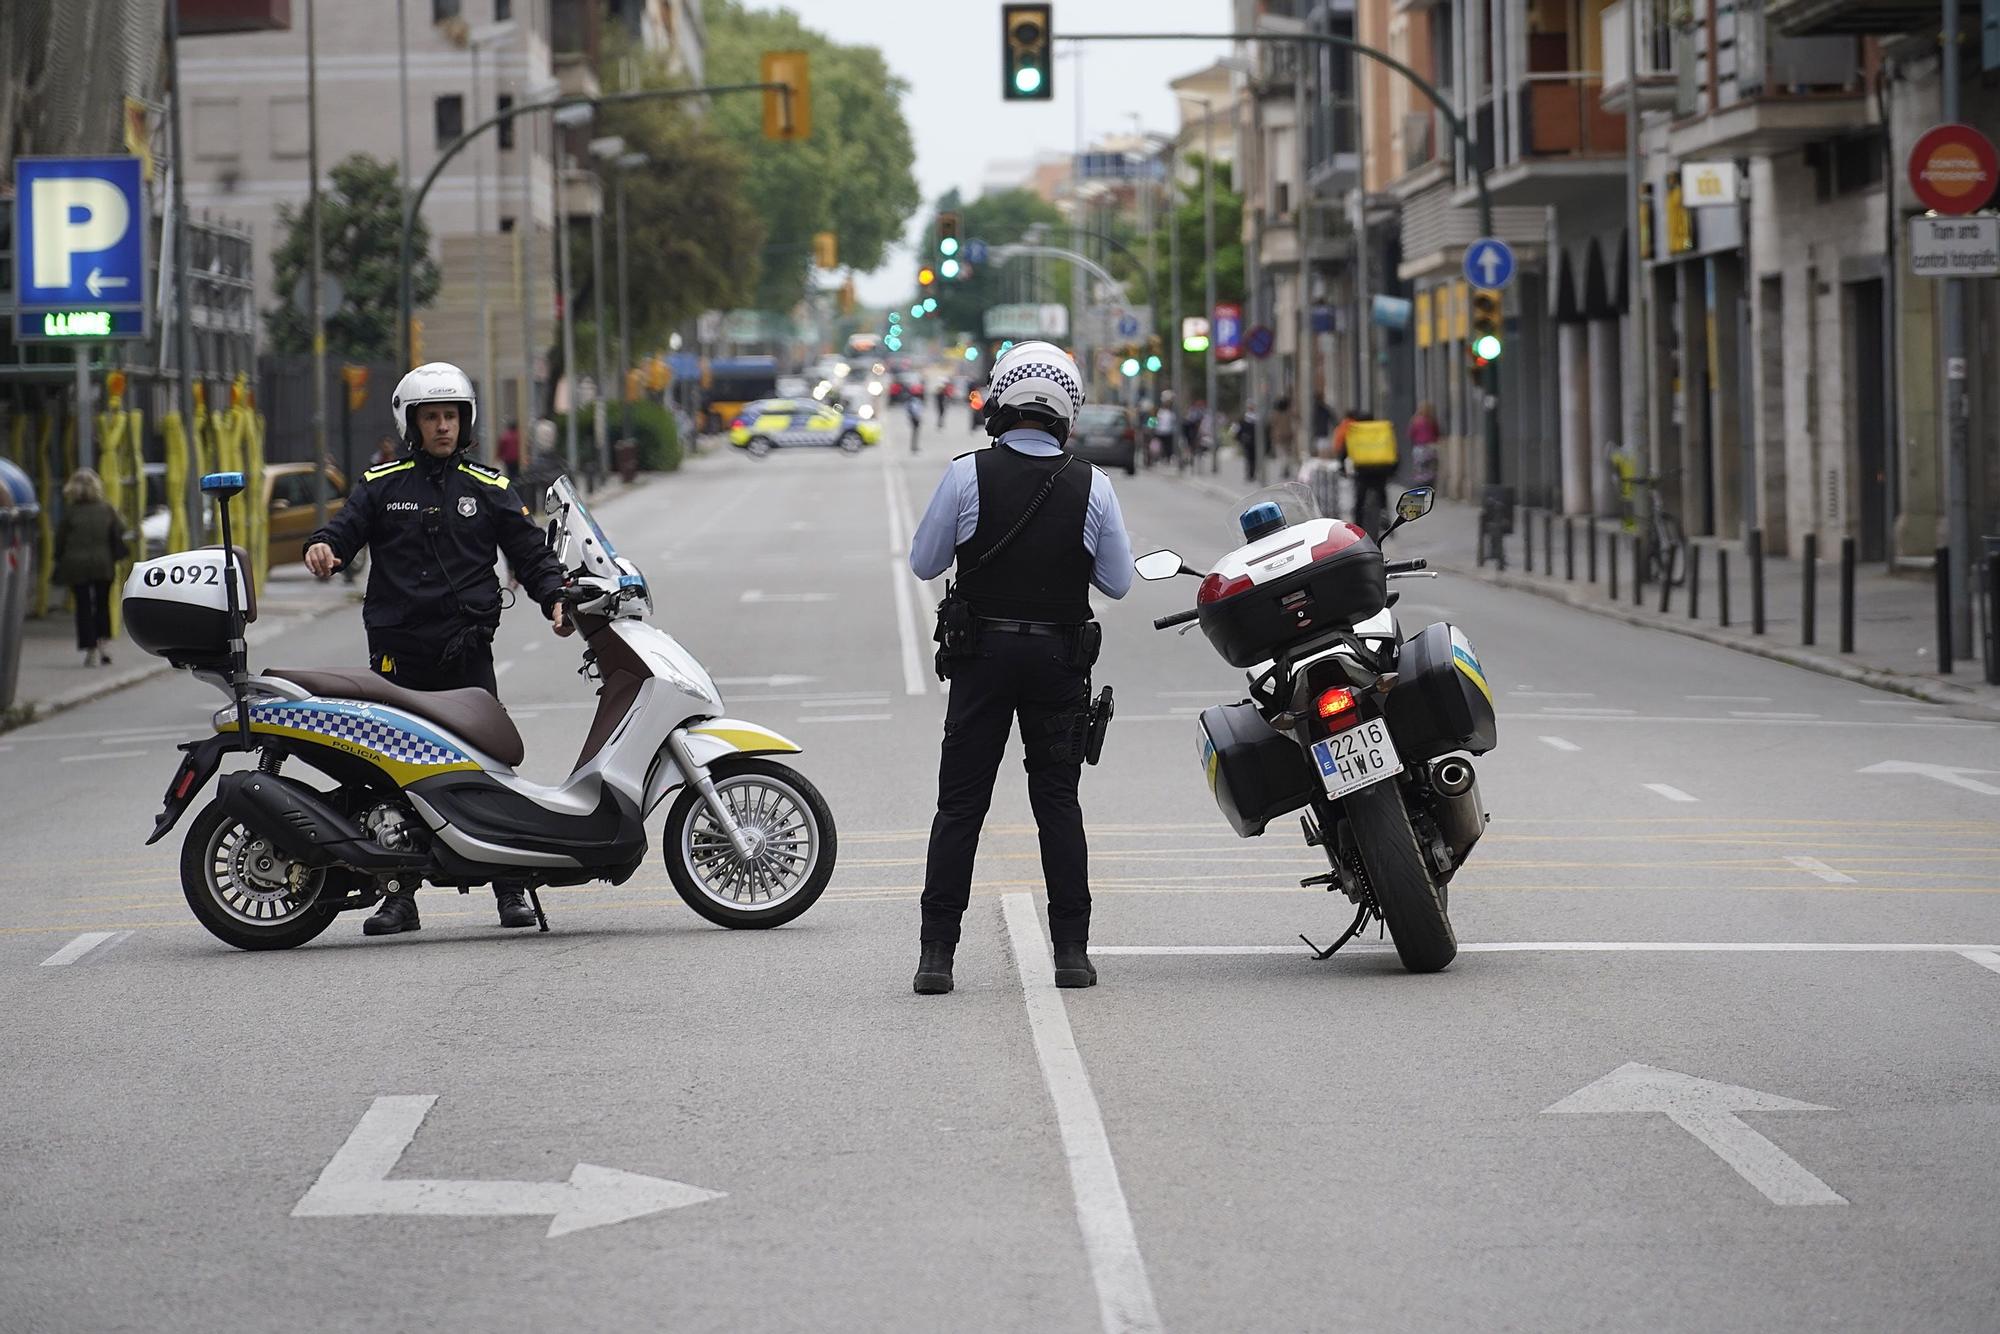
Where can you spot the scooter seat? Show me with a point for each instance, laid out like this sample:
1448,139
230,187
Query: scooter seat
472,714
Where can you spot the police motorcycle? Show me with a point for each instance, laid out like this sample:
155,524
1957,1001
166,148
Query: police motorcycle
1346,721
424,787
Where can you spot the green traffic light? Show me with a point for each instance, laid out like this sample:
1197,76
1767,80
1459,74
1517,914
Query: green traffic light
1129,366
949,268
1486,346
1153,363
948,247
1027,79
917,311
930,304
972,354
1199,343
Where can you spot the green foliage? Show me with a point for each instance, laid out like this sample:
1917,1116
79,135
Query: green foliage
1186,221
648,423
853,176
998,219
361,220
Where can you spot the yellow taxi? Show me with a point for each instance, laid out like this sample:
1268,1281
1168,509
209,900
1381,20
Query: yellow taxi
777,423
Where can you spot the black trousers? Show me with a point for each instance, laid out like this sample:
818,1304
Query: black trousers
473,668
1024,676
92,600
1372,482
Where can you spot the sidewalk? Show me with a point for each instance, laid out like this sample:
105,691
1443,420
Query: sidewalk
1895,625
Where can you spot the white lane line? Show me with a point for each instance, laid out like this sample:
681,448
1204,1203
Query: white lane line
1984,958
534,646
1728,699
1670,793
897,538
906,626
1597,716
756,596
1557,743
1599,947
844,718
1576,711
504,666
843,702
1742,713
1814,866
1124,1294
81,946
1551,694
104,755
1897,704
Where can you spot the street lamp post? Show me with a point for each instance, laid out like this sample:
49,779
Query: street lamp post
318,312
566,117
626,162
1208,248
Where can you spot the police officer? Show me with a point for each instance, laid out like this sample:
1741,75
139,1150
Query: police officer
1020,642
435,523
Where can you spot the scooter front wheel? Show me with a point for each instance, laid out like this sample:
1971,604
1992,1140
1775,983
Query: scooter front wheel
792,837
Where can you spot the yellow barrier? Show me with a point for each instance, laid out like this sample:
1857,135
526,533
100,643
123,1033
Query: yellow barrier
17,438
50,490
174,437
250,446
121,464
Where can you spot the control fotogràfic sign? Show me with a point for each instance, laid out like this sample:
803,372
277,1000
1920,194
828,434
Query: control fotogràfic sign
80,262
1953,169
1955,247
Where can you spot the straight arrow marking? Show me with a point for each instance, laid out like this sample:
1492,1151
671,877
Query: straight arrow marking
1706,1109
1944,773
354,1183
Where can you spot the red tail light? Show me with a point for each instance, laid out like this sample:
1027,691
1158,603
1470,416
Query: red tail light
1337,708
1215,588
1343,536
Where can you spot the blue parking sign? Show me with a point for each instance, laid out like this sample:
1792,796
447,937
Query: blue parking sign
80,228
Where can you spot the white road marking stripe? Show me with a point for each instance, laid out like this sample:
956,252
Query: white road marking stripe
504,666
845,718
1898,704
105,755
1597,947
534,646
1551,694
81,946
1814,866
1124,1294
1740,713
906,626
1984,958
1569,711
898,543
1670,793
842,701
1729,699
1582,716
1557,743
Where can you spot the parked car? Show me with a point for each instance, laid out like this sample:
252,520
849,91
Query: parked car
775,423
1106,434
288,500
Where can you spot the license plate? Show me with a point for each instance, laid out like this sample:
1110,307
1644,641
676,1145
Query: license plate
1357,757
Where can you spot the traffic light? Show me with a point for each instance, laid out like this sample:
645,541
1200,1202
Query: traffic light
1486,326
930,304
947,235
1130,366
949,270
826,250
1028,73
917,311
1153,360
926,276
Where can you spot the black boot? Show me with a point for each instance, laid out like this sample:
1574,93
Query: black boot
1073,966
397,913
934,968
512,901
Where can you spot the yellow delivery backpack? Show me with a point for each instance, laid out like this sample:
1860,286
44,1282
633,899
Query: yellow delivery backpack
1371,444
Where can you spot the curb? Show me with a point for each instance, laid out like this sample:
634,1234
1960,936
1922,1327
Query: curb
1897,682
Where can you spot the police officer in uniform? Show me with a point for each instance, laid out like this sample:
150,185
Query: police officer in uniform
436,523
1019,642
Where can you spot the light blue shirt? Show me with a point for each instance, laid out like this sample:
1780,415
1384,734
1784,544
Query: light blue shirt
953,517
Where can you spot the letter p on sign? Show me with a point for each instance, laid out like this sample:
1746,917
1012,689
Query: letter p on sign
73,216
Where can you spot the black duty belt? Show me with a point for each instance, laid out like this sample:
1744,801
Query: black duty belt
1046,628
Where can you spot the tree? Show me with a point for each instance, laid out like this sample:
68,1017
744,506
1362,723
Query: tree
1186,221
998,219
852,177
361,227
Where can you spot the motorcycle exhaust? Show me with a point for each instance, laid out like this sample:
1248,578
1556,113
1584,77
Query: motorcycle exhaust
304,827
1455,805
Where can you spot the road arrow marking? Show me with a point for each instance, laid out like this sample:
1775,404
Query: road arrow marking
1944,773
1705,1109
97,282
355,1183
757,595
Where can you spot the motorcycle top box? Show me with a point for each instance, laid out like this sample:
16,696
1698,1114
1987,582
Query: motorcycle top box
1289,586
177,607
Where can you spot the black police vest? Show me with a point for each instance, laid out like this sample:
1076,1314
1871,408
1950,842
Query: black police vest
1044,573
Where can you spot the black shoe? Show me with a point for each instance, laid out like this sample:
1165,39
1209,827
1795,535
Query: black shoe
1073,966
934,968
397,913
512,901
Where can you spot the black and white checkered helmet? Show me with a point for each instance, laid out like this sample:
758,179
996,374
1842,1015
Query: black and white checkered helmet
1036,377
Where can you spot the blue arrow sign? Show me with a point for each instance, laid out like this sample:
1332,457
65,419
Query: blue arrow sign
975,252
1128,326
1489,263
80,229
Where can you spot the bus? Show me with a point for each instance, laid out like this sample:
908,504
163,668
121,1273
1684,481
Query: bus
730,382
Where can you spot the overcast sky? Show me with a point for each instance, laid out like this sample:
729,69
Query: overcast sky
949,53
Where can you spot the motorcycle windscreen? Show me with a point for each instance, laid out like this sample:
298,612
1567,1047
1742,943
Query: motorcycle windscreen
576,538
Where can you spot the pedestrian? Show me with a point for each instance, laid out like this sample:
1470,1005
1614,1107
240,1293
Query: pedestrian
508,452
1031,533
387,450
1246,440
943,400
90,541
1284,433
436,524
1424,436
1369,448
1322,427
1197,417
1166,430
913,408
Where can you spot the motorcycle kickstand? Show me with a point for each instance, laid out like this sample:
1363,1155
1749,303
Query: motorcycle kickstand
1360,920
535,900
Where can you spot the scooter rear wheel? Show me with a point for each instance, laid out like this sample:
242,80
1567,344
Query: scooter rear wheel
239,887
795,846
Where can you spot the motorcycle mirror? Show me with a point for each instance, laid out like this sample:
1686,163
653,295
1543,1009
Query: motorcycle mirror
1415,503
1162,564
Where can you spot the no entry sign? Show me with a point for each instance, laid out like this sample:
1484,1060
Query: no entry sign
1953,169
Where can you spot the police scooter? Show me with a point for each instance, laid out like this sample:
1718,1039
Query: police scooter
424,787
1346,720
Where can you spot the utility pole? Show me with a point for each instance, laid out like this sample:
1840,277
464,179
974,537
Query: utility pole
1301,211
403,330
488,388
597,423
563,299
1638,425
1957,445
626,162
1174,350
313,278
524,246
1208,248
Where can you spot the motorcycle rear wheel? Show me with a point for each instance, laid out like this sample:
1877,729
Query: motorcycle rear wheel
796,846
1408,898
234,885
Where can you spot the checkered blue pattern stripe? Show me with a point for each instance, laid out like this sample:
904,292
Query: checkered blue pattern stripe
384,732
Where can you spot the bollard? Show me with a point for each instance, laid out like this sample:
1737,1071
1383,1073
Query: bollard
1809,590
1722,586
1569,548
1527,541
1667,584
1992,616
1694,581
1591,535
1756,555
1549,543
1611,566
1847,595
1943,582
1638,571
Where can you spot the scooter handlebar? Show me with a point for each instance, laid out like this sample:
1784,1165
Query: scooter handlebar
1178,618
1405,566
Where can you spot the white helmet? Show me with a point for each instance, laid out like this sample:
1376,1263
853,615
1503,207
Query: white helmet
433,382
1036,377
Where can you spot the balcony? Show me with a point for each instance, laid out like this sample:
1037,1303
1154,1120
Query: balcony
1771,94
1655,84
1570,146
1816,18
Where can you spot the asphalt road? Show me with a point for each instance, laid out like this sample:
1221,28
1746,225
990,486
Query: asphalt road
1223,1135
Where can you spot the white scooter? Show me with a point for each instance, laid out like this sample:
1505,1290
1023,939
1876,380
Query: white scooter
425,788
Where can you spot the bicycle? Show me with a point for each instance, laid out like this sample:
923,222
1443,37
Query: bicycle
1664,549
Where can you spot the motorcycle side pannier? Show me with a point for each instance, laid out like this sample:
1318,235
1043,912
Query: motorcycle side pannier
177,607
1256,774
1441,702
1250,616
